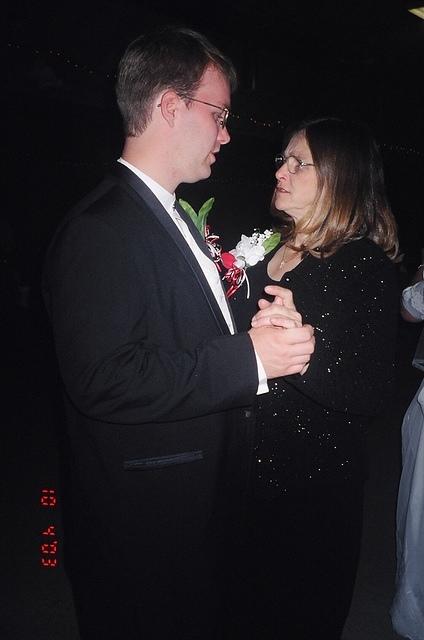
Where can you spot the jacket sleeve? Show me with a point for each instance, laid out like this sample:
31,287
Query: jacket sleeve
352,369
113,362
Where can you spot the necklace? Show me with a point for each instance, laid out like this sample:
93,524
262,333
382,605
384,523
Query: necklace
284,261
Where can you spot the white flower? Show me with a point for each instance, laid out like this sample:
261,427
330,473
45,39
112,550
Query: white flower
249,250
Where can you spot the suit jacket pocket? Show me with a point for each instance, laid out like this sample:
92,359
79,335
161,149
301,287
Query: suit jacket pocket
159,462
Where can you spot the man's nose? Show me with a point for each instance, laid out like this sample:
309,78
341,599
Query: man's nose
223,135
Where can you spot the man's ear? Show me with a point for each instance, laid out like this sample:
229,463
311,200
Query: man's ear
169,105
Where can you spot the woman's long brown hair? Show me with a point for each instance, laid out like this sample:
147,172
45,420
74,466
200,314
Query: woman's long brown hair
351,202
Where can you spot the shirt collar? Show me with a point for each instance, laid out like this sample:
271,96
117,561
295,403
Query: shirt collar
165,198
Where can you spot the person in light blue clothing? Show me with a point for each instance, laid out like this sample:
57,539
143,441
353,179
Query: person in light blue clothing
407,610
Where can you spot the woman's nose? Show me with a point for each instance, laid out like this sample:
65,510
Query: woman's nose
282,172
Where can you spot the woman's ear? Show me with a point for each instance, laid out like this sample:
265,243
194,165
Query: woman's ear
169,105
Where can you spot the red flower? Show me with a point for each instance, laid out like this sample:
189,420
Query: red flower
227,259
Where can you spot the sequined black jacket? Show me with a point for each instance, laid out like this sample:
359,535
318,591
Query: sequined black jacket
310,427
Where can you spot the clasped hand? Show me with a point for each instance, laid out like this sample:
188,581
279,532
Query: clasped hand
281,352
279,313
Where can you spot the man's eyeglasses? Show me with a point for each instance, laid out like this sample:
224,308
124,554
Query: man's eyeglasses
293,163
221,118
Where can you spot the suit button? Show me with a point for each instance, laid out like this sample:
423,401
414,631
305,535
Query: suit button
247,413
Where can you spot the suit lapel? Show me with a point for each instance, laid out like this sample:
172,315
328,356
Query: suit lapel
203,246
193,229
149,199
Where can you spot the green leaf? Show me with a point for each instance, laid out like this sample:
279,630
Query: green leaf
206,206
271,242
203,214
189,210
199,219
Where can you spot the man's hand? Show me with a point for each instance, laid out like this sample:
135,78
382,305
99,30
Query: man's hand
283,351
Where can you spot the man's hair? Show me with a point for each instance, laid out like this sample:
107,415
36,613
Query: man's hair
351,201
167,58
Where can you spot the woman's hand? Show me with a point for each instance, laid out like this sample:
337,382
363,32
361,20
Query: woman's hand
279,313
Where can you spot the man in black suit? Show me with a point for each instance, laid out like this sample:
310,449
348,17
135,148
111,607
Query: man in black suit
155,375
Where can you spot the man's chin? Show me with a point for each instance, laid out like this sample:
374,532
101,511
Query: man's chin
203,174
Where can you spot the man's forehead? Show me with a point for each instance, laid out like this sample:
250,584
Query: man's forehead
213,78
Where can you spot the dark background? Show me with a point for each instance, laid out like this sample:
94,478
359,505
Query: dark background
60,133
62,129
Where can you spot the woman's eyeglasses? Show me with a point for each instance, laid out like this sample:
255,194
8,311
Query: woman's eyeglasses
293,163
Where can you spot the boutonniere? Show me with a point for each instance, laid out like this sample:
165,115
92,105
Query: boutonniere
200,221
249,250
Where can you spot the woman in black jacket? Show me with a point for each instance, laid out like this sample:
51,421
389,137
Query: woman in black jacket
300,550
